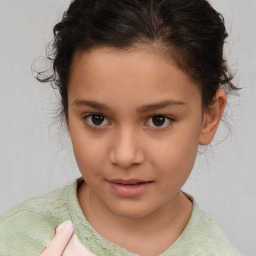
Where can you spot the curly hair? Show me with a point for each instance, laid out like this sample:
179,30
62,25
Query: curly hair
190,32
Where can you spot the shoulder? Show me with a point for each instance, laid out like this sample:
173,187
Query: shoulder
210,239
30,226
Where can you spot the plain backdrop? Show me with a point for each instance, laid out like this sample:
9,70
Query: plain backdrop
36,155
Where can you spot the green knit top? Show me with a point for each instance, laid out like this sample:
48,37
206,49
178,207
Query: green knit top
28,228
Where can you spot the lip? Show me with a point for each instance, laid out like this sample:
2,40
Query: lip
129,188
127,182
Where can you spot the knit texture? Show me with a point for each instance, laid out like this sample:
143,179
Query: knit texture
28,228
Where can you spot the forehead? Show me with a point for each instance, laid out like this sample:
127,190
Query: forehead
128,77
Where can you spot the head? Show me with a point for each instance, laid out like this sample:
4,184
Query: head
126,55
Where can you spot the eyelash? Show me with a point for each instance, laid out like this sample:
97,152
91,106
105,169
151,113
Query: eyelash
170,119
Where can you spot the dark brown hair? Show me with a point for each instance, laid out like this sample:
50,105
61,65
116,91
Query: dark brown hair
191,31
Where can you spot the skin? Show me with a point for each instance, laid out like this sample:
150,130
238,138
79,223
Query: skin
129,145
66,243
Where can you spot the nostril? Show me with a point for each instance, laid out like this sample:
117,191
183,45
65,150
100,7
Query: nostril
126,153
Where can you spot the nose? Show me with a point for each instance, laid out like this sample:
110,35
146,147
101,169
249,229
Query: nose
126,149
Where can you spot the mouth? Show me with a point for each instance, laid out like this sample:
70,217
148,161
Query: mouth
128,182
129,188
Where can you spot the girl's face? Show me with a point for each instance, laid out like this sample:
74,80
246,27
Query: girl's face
135,121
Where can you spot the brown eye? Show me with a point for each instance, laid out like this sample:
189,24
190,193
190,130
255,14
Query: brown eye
96,120
160,121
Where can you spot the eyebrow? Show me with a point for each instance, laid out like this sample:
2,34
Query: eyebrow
142,109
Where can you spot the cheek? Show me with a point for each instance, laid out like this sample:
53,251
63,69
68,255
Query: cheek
89,153
174,158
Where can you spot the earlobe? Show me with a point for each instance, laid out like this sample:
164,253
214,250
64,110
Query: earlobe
212,117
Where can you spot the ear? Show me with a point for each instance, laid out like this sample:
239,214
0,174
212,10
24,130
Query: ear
212,117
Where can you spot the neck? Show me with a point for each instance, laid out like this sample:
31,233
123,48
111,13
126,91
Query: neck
147,235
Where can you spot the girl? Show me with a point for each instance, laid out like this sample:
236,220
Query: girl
143,83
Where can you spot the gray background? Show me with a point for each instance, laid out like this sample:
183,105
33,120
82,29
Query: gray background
36,156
